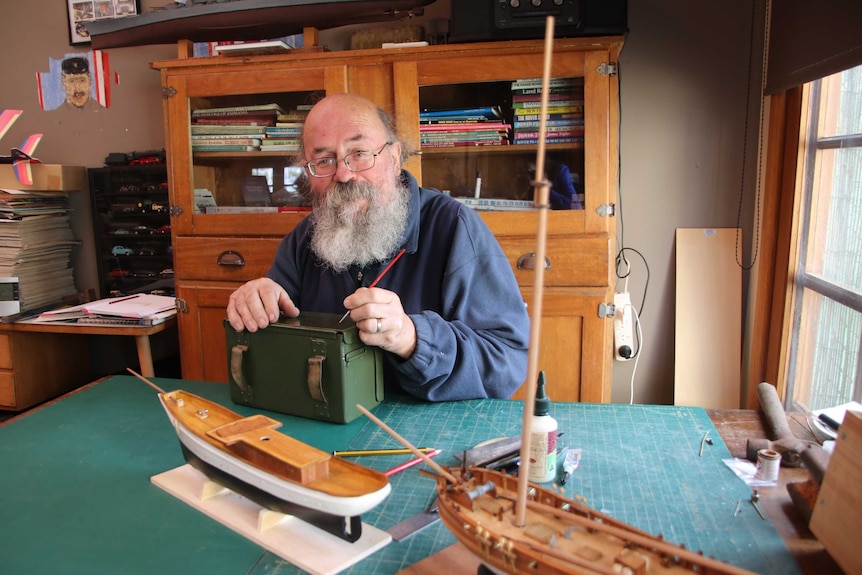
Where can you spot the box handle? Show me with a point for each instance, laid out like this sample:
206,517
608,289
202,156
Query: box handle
315,377
236,355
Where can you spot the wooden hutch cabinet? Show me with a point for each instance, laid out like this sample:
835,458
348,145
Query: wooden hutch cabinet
216,252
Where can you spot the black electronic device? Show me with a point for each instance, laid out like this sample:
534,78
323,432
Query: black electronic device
488,20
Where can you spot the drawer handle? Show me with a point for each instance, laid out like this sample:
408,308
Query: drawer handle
231,258
528,262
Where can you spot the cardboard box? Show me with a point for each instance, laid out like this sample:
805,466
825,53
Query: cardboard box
46,178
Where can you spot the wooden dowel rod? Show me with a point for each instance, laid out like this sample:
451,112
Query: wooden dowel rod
145,380
408,445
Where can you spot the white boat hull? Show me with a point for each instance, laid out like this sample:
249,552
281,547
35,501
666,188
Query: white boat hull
272,485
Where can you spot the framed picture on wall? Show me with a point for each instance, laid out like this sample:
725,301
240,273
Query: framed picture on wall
83,11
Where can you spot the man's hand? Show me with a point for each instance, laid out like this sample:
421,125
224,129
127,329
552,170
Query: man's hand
258,303
381,320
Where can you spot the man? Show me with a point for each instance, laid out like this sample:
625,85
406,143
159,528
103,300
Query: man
448,314
75,76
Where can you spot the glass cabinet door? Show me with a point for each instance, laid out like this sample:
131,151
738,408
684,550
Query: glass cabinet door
479,141
242,148
232,142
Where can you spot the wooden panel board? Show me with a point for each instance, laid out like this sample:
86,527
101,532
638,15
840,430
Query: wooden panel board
708,318
837,516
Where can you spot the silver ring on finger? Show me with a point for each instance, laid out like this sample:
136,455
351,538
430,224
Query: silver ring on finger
379,325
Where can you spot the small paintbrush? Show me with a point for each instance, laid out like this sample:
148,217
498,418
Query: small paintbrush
377,279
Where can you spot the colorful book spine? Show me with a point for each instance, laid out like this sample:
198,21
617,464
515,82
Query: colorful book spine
571,140
235,120
550,116
549,134
518,125
535,104
225,148
235,110
551,110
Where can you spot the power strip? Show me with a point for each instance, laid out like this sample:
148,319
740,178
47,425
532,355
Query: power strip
623,327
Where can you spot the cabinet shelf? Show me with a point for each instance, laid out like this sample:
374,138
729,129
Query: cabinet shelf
286,154
501,150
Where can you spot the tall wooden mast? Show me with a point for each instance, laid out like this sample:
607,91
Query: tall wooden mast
541,192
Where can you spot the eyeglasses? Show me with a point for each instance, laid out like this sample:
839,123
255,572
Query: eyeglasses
355,162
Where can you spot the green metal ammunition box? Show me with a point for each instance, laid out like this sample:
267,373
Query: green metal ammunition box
310,366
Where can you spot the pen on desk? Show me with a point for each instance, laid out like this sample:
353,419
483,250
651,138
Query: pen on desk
124,299
409,464
399,451
378,278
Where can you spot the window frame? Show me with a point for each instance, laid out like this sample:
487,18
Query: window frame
810,157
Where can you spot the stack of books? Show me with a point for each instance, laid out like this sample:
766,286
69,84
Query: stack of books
565,116
284,135
138,309
232,129
482,126
36,242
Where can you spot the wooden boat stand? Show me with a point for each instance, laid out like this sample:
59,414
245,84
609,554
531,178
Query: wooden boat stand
294,540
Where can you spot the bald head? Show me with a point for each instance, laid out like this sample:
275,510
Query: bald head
338,112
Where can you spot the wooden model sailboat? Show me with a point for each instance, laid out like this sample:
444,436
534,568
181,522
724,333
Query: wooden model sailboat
248,456
517,527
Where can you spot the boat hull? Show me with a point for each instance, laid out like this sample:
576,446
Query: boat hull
348,528
243,20
560,536
347,491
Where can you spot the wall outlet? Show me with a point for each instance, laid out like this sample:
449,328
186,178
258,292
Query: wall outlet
623,327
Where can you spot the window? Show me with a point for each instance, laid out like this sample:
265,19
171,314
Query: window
825,360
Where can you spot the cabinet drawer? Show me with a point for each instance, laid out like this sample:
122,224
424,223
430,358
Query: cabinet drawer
227,259
7,390
574,260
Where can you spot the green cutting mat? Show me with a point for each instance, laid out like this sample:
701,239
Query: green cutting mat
640,464
77,499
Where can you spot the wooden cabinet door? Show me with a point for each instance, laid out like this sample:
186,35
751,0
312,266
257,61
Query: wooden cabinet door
576,344
201,329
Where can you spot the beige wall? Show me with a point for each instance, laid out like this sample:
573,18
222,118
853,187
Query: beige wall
684,84
684,75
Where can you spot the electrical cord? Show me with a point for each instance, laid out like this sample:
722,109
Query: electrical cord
637,356
620,259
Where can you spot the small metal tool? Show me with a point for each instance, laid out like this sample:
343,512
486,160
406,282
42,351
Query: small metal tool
755,501
414,523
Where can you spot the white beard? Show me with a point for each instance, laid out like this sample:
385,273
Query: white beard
346,234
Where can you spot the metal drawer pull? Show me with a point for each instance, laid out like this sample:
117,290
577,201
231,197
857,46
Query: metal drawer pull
528,262
231,258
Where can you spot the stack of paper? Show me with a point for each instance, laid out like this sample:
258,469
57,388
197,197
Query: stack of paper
140,309
36,242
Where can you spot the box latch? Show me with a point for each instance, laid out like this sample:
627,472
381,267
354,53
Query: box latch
315,377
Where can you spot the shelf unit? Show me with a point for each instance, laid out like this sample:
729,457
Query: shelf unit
132,229
215,253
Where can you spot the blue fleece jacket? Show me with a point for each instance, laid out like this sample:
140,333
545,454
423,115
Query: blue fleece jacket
456,285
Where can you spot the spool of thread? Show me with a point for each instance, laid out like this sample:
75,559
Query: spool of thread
768,464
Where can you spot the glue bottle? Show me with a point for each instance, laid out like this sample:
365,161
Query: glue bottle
543,438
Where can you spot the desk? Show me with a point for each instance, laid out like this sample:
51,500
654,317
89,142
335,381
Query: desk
141,333
77,498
